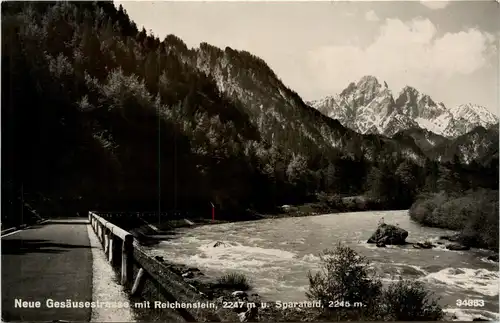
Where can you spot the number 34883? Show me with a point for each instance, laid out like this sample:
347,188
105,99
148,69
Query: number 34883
470,302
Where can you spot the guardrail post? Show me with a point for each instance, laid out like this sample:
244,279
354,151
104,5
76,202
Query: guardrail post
106,240
127,259
139,282
101,233
111,248
103,240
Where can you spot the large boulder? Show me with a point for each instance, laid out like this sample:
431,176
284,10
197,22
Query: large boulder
389,234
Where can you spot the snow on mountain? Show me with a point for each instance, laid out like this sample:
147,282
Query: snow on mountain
369,107
468,116
366,107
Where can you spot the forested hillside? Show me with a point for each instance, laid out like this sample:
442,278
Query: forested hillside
100,115
477,146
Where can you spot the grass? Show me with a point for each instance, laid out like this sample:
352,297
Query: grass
234,281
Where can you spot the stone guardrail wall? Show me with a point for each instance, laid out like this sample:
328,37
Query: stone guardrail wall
122,251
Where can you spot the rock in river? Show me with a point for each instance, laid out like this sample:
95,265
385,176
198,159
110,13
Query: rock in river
389,234
219,244
188,274
456,246
423,245
493,258
239,293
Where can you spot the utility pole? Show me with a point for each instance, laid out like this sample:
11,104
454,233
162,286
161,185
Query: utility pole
213,211
22,203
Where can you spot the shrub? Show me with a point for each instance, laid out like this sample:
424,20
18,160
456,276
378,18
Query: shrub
474,213
234,281
407,300
332,201
422,210
345,276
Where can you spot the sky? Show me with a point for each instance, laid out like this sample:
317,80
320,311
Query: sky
446,49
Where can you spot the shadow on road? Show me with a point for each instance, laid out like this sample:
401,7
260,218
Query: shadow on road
69,221
24,246
10,317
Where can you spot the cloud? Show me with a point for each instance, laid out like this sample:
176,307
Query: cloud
404,53
371,16
435,4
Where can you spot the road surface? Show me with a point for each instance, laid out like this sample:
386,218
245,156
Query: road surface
49,261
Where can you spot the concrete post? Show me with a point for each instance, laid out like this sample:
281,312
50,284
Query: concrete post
127,259
111,249
106,240
103,234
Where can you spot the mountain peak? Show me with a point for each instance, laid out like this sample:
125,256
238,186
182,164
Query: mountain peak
369,87
368,104
368,79
475,113
409,90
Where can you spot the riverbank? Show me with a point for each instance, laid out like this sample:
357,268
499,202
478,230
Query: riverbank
234,301
324,205
473,213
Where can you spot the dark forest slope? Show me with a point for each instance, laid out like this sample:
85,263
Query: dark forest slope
99,115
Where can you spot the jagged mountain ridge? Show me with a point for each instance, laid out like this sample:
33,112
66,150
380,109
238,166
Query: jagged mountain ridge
369,107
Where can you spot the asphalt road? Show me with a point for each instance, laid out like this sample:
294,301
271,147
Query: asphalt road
49,261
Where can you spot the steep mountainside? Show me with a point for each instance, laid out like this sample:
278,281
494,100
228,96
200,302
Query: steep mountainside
281,115
424,139
369,107
479,145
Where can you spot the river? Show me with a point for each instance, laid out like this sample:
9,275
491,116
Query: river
276,255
